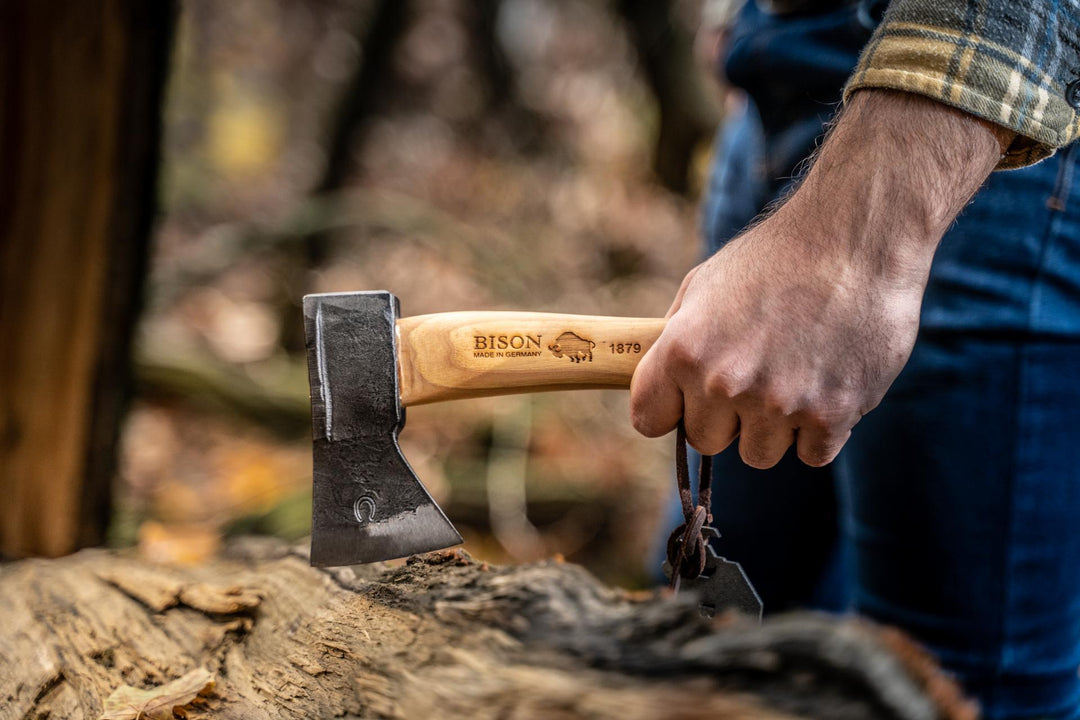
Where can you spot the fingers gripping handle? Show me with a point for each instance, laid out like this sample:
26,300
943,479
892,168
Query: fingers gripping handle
448,356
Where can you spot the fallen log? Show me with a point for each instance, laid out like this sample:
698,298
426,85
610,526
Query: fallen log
441,636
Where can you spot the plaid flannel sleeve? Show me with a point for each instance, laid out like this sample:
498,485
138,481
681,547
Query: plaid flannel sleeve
1015,63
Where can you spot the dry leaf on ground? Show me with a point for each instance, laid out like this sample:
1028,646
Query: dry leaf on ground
129,703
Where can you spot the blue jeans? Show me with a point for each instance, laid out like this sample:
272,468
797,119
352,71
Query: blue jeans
954,510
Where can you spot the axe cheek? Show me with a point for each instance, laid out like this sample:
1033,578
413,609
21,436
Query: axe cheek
367,503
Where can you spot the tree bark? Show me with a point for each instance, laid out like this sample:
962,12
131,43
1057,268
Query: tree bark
441,636
80,92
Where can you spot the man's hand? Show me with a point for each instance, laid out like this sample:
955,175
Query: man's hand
795,330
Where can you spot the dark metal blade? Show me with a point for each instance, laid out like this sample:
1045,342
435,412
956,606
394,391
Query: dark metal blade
367,503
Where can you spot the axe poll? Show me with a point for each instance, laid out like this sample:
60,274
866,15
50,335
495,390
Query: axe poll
366,364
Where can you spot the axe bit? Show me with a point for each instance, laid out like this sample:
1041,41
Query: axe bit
366,364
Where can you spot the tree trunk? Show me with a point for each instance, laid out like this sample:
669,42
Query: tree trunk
359,101
440,637
686,115
80,92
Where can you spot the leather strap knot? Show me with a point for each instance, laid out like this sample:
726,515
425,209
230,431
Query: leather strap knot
686,544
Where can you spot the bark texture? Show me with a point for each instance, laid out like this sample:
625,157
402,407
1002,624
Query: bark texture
80,94
442,636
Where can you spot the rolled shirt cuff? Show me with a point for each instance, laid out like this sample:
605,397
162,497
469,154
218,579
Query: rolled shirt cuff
914,51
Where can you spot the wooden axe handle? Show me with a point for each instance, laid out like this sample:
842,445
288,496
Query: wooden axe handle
448,356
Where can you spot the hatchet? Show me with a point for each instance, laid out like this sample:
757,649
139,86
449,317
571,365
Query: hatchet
366,364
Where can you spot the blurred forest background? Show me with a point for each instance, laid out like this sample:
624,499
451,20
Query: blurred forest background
513,154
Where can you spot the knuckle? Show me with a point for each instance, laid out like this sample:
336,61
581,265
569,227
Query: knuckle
680,354
829,412
817,419
725,382
775,402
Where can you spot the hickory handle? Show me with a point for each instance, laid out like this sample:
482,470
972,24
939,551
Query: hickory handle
449,356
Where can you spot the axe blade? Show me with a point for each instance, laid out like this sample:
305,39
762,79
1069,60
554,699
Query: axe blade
367,503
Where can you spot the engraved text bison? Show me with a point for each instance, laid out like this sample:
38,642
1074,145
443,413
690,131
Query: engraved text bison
572,346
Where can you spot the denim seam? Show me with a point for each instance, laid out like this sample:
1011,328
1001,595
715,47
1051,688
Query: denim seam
1019,390
1060,193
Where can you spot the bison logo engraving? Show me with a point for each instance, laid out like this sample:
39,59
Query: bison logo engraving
572,346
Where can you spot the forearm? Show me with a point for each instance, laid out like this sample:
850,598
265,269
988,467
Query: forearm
1011,62
892,175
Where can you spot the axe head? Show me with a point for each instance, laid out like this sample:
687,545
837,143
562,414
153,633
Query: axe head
367,503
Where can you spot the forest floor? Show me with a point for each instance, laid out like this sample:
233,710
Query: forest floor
451,205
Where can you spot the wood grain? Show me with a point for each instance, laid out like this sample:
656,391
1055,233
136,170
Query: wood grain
447,356
440,637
